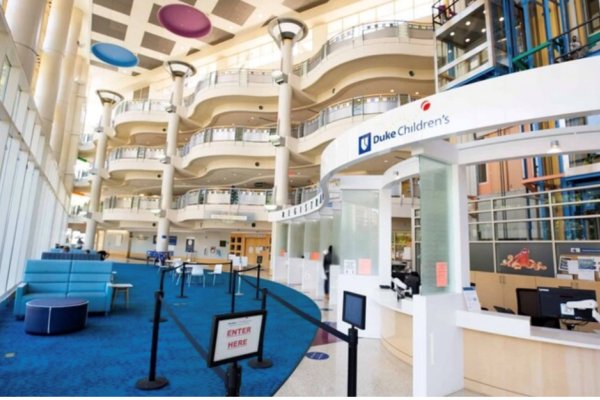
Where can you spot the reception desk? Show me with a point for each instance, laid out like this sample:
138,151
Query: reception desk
396,324
503,354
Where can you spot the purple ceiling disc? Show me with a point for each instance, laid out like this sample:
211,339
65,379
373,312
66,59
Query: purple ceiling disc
184,20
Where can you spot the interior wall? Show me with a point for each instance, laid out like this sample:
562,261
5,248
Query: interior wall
116,243
207,244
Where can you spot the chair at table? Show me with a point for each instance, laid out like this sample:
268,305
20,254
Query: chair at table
197,270
217,271
179,270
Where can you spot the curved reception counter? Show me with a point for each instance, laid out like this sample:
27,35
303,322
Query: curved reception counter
503,354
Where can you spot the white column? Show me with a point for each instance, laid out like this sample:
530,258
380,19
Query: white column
284,122
24,18
53,52
70,148
179,71
438,350
90,229
67,77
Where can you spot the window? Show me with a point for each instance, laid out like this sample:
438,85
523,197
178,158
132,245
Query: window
142,94
482,173
4,78
593,11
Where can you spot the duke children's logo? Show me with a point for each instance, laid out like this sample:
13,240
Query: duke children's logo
364,143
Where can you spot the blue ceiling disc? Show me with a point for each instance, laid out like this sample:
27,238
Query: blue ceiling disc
115,55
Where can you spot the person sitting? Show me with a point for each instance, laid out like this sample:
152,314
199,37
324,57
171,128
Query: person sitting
103,255
57,246
87,252
575,44
66,249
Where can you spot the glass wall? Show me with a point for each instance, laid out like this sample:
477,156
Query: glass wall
359,233
462,48
4,77
436,192
32,197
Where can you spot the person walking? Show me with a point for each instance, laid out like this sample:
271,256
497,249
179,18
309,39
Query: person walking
328,254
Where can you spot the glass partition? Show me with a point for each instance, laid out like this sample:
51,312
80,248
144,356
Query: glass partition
436,192
359,231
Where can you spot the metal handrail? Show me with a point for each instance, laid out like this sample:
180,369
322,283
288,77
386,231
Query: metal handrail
358,105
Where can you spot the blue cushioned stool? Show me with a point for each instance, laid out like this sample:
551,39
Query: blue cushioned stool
53,316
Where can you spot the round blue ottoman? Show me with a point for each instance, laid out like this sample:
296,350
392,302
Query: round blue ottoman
53,316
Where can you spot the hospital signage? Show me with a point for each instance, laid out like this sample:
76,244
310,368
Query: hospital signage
368,140
236,336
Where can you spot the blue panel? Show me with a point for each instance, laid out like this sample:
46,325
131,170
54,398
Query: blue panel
115,55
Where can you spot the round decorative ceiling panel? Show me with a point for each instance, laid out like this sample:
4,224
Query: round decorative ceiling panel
184,20
115,55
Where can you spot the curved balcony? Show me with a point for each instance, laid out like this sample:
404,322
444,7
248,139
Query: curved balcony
141,106
199,204
227,134
352,44
364,105
362,33
356,35
86,143
135,158
82,176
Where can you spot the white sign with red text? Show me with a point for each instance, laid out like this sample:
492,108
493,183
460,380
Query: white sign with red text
237,337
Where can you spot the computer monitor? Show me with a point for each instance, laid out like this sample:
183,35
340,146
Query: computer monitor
528,302
553,303
413,281
355,309
503,310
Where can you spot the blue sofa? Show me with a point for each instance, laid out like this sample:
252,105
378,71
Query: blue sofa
90,280
64,278
50,255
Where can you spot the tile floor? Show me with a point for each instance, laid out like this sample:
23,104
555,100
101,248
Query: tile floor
379,373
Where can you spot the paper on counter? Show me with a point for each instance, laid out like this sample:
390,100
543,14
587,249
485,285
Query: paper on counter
587,275
573,266
566,277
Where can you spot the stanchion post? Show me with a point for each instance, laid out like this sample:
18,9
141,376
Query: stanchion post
230,276
235,273
182,296
352,360
261,363
234,379
258,283
161,290
154,382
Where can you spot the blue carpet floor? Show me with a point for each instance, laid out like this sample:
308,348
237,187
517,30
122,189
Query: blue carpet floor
112,353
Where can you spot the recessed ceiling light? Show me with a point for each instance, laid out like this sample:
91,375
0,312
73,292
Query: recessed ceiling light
230,26
449,51
483,30
416,92
259,174
468,23
260,15
224,179
451,33
385,160
208,181
501,19
467,40
391,90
